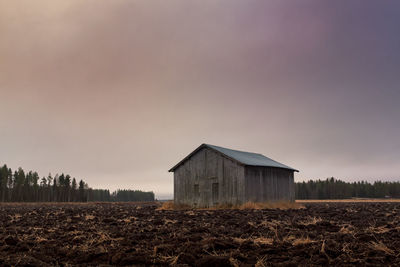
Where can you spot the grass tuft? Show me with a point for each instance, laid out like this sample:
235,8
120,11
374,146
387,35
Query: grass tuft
302,241
282,205
310,221
170,205
381,247
261,262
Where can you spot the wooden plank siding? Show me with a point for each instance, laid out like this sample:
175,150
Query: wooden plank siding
208,178
202,170
269,184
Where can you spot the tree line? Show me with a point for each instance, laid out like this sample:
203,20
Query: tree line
332,188
119,195
21,186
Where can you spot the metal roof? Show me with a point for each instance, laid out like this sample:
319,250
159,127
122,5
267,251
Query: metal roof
245,158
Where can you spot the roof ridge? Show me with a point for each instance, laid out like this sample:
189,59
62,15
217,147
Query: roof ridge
235,150
242,157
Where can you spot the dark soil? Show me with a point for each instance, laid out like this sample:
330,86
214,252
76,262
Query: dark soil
366,234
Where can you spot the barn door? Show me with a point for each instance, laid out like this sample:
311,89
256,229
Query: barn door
215,193
196,194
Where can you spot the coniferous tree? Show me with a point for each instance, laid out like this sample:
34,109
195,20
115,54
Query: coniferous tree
10,184
19,181
82,191
55,189
3,182
43,192
35,187
50,194
73,190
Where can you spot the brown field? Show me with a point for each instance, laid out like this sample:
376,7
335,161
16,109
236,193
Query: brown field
169,205
362,200
327,233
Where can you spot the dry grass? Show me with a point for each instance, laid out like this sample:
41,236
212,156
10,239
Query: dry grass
240,240
381,247
261,262
89,217
190,213
302,241
270,205
16,217
234,262
310,221
257,240
167,221
40,239
347,200
347,229
172,260
170,205
129,219
263,240
378,230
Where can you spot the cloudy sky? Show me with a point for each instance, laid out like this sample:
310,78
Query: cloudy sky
117,92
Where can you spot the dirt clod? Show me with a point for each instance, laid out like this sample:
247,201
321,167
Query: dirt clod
11,241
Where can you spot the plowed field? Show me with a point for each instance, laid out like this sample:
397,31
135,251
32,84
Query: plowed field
133,234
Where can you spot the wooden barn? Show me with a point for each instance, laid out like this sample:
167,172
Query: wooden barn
213,175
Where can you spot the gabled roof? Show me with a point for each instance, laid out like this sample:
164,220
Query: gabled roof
245,158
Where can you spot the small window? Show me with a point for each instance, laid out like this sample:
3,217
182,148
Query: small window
196,191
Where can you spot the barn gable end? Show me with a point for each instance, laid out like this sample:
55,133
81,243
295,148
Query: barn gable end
207,179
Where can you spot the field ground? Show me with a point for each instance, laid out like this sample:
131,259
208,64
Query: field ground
328,233
352,200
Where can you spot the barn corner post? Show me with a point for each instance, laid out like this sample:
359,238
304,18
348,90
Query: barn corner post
212,175
292,185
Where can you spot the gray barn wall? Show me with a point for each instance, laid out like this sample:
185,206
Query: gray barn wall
203,169
269,184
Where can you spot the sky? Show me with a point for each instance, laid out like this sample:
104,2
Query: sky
117,92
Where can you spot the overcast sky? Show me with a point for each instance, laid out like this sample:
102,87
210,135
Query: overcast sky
117,92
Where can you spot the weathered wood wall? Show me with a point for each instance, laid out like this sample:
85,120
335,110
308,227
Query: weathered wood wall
269,184
201,171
